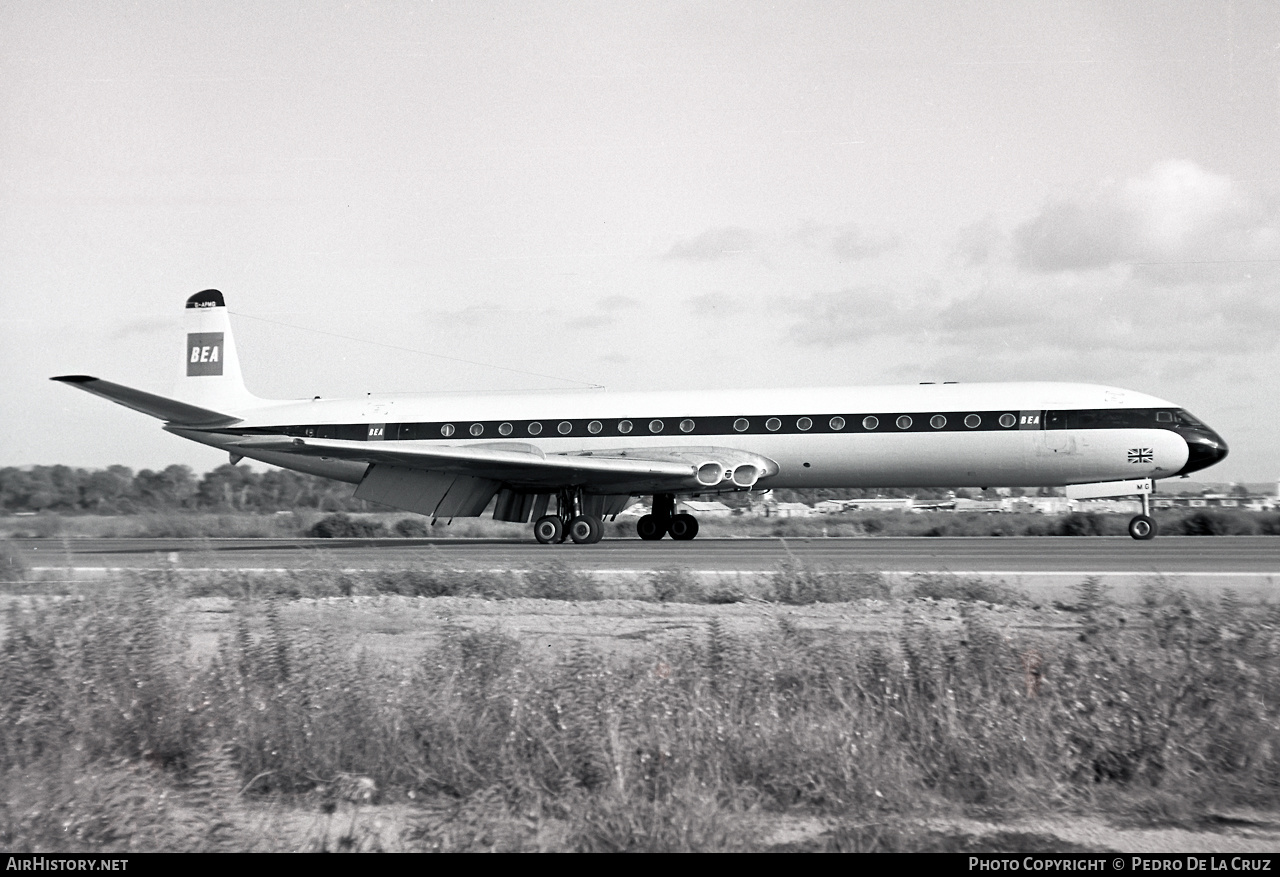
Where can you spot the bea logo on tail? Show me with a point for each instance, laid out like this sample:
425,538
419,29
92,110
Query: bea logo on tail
204,353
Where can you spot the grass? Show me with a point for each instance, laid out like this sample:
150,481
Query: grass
114,738
1186,522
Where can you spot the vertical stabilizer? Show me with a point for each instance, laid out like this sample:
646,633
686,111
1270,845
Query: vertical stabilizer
210,375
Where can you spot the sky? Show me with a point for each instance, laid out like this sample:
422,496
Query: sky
647,195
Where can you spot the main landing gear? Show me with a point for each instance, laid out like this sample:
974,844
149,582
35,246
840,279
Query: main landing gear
567,523
1143,526
664,520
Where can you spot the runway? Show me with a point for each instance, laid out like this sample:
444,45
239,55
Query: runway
1223,555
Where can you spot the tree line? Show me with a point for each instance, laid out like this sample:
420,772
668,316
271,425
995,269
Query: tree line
119,490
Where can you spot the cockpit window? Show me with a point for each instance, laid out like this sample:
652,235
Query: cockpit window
1119,418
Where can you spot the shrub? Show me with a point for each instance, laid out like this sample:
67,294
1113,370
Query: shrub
944,586
556,581
343,526
797,582
412,528
13,566
676,585
1080,524
1217,523
439,582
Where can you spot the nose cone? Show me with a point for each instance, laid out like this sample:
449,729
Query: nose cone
1204,448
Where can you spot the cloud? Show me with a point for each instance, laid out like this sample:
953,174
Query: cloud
855,313
476,315
591,321
846,241
1176,213
853,243
1115,312
713,301
144,326
617,303
978,244
713,244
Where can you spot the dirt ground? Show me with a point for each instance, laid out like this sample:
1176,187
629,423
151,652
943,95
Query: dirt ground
397,626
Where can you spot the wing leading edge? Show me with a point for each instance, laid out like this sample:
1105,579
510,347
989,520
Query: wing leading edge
527,467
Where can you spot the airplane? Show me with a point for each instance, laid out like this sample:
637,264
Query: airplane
447,456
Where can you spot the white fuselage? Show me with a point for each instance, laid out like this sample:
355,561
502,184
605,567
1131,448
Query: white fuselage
920,455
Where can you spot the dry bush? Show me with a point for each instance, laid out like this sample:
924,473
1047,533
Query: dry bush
343,526
797,582
946,586
676,585
557,581
106,726
13,566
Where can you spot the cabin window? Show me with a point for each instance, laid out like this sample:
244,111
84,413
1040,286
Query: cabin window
655,426
1007,420
686,425
804,423
504,429
594,427
446,429
870,422
741,424
937,421
565,427
973,421
837,423
477,429
535,428
624,426
904,422
773,424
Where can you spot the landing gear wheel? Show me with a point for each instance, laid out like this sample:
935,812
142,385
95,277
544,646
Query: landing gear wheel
683,527
548,530
1142,528
650,528
585,530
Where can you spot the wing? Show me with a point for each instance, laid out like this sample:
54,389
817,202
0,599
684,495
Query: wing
525,467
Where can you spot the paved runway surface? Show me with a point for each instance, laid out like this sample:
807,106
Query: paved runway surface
1246,556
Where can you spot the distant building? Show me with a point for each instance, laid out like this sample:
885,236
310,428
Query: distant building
880,504
789,510
979,505
702,508
1218,501
1044,505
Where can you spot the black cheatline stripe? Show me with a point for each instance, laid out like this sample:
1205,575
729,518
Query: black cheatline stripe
1094,418
820,424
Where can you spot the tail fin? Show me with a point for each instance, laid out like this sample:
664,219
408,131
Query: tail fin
211,375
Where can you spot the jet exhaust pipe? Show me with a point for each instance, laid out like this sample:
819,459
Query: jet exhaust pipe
710,474
745,475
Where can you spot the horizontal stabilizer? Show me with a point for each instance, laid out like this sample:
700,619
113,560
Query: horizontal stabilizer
170,410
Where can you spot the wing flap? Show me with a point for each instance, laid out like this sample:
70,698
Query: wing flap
436,494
